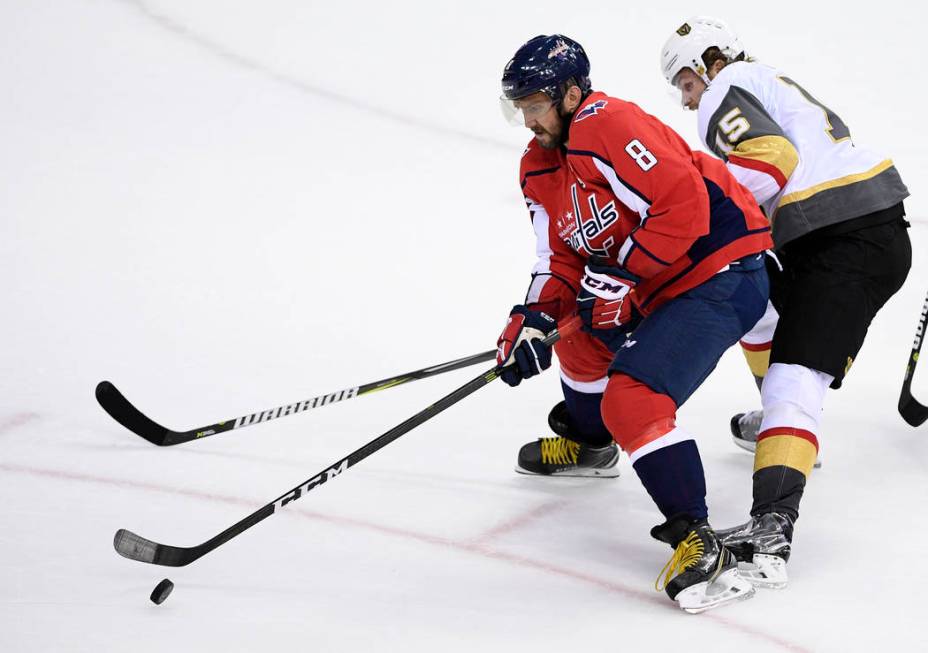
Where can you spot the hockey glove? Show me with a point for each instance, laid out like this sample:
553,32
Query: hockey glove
605,303
520,350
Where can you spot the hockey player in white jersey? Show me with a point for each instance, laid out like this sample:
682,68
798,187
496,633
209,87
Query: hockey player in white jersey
839,231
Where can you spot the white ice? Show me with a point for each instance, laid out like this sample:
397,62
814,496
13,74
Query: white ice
226,206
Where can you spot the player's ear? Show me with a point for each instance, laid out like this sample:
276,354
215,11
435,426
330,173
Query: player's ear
715,68
572,98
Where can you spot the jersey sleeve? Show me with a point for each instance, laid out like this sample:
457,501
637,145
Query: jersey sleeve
552,288
652,175
738,129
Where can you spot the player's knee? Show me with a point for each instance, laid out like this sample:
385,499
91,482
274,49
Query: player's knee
634,413
793,395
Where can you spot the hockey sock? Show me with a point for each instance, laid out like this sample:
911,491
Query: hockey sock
758,358
665,457
673,476
787,444
782,463
756,344
585,417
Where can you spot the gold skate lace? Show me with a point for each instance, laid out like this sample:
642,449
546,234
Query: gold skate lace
559,451
687,554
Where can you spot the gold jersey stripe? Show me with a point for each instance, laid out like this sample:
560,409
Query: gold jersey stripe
785,450
775,151
798,196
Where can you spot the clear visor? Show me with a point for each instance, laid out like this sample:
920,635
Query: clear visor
521,110
675,95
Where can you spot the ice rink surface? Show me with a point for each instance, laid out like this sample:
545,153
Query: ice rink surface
227,206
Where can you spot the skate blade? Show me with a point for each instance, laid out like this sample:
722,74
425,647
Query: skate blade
729,587
609,472
747,445
767,571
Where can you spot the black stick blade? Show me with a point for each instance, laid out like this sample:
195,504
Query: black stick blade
912,412
119,408
135,547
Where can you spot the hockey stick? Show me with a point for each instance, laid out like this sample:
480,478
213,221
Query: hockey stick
913,412
135,547
122,410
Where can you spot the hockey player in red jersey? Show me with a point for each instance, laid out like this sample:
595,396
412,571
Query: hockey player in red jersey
660,251
840,233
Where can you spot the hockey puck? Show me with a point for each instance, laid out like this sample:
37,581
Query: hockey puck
161,592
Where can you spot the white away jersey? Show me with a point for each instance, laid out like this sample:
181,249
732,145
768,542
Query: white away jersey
793,153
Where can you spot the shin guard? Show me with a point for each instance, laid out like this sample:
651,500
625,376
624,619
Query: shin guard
787,444
665,457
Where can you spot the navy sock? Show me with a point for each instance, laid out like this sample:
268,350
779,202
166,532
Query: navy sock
586,418
674,478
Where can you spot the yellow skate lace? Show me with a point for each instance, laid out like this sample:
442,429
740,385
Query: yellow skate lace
559,451
687,554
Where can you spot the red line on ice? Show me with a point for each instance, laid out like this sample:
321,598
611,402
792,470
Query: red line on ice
517,522
16,420
475,547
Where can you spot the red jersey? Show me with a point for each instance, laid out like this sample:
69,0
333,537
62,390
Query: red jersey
629,189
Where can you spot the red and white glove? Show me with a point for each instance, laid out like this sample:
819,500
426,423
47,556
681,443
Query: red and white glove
520,347
604,302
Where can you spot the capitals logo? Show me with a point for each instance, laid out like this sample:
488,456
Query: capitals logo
582,237
559,48
591,110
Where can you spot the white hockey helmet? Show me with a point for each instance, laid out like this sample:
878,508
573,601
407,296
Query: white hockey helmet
685,47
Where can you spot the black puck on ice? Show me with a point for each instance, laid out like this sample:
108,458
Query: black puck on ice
161,592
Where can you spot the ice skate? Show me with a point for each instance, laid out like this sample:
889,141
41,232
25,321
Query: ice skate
744,429
762,547
746,426
702,574
562,456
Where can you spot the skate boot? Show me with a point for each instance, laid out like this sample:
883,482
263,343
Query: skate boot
746,426
762,547
702,574
562,456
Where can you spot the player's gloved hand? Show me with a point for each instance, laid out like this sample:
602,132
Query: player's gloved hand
605,302
520,349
